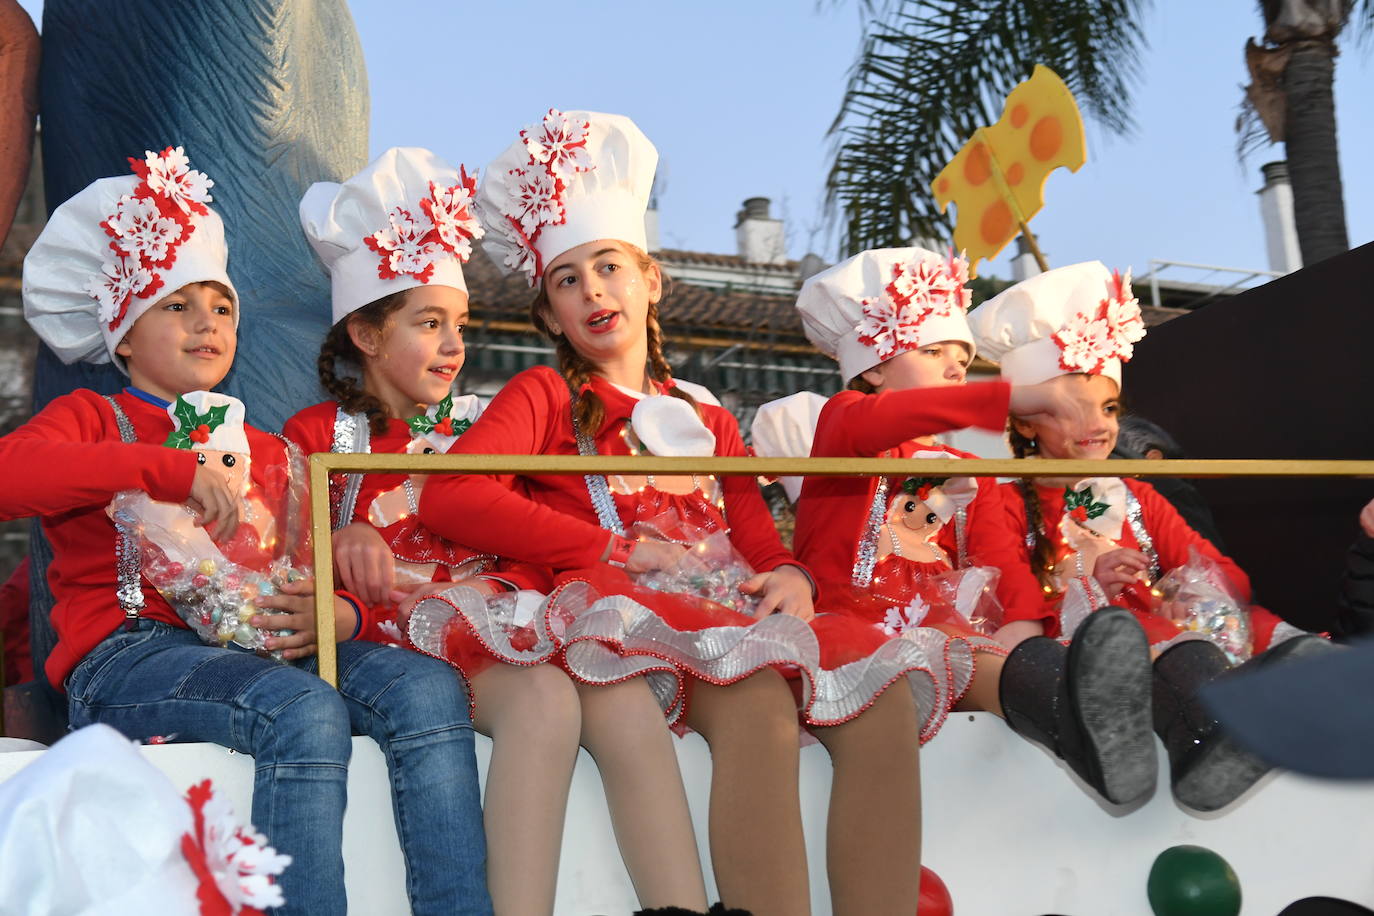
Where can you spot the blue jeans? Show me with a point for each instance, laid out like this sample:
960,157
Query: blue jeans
161,680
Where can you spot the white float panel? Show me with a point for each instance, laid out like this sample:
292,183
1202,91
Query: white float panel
1009,830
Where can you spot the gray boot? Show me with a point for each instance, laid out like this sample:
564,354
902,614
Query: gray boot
1208,769
1088,702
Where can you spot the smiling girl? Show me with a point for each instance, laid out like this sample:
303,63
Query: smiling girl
1103,540
394,238
566,205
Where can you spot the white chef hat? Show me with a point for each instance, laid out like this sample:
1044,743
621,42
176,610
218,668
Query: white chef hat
208,420
407,220
1080,318
786,428
115,248
576,177
883,302
92,827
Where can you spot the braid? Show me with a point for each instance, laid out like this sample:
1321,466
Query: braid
659,370
1042,550
338,345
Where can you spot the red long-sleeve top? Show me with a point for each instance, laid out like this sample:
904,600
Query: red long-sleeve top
549,519
65,465
313,430
1171,535
832,511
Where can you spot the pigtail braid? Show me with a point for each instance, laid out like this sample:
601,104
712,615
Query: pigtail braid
338,345
1042,554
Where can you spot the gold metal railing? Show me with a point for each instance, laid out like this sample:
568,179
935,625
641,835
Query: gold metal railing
323,464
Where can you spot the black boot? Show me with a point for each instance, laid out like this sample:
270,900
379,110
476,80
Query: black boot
1208,769
1089,703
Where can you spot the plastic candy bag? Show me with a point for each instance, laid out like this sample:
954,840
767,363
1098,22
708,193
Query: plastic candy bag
711,568
212,582
1213,611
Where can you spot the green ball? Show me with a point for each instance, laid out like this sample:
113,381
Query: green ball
1193,881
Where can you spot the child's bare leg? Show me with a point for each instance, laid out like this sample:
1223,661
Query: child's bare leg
757,851
532,716
983,692
873,841
624,731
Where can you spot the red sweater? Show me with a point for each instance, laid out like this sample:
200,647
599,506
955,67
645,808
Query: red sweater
313,430
65,465
1171,535
550,519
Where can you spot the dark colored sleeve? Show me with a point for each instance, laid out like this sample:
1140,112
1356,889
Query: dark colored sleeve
1356,614
486,511
864,425
60,460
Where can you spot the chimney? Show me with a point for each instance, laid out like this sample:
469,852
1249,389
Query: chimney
1276,209
1023,266
758,235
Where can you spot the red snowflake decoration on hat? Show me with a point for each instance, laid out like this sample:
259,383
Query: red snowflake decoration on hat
558,150
891,322
1087,342
561,145
146,230
233,864
444,226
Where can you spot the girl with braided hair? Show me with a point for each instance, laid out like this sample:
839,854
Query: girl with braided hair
915,556
1106,541
399,320
566,205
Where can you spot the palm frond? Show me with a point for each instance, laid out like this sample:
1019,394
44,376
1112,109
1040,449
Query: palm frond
933,71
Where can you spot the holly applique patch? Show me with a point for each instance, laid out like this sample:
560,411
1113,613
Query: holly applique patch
193,428
442,422
1082,505
920,487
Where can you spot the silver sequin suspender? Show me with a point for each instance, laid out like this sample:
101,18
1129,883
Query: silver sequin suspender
1135,518
597,488
128,565
351,436
866,556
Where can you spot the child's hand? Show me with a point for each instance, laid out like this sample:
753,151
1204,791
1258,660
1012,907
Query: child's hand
785,590
364,563
1118,568
405,601
648,556
297,599
213,501
1172,610
1367,520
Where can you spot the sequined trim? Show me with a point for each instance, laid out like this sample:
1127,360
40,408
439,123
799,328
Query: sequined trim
128,557
866,556
597,489
1135,518
716,655
352,435
961,536
488,619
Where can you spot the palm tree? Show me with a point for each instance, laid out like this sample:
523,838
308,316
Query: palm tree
1290,95
932,71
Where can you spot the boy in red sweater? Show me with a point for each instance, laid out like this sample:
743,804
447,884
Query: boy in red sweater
133,270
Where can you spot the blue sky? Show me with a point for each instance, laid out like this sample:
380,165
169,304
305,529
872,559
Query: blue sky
738,97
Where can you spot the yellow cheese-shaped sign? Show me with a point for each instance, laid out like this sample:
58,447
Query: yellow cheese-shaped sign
998,179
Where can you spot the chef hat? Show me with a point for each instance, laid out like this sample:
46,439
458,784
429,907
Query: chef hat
407,220
1080,318
786,428
208,420
883,302
117,247
93,827
576,177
